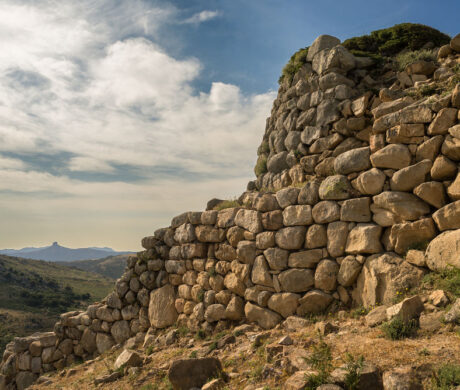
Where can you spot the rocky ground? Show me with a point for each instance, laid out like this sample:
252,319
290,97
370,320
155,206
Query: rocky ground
252,358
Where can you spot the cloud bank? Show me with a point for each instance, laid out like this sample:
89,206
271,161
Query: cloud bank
102,135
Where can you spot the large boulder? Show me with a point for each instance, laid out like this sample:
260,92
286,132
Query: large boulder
326,275
315,301
321,43
354,160
327,112
444,251
393,156
104,342
277,163
405,235
406,179
185,374
337,59
265,318
249,220
260,273
407,309
407,206
336,187
291,237
162,310
448,217
128,358
432,192
326,211
296,280
383,276
297,215
370,182
284,303
364,238
349,271
277,258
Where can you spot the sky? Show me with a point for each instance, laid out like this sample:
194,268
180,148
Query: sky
116,115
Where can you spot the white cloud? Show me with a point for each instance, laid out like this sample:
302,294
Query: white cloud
11,163
82,79
202,16
89,164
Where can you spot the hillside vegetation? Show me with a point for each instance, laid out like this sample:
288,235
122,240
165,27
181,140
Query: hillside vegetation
111,267
33,293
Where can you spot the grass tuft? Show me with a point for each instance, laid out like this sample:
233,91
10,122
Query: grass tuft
227,204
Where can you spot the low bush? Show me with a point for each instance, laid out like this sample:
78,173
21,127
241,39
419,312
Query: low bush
446,377
297,60
390,41
397,329
353,367
261,165
405,58
448,280
320,360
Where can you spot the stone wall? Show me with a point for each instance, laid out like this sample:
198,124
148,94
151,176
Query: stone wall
361,181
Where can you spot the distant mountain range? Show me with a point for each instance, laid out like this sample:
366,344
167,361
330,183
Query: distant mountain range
55,252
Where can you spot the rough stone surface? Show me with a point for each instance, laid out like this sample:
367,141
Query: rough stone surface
444,251
128,358
314,301
382,277
354,160
335,187
407,206
394,156
263,317
408,178
296,280
291,237
448,217
185,374
364,238
162,311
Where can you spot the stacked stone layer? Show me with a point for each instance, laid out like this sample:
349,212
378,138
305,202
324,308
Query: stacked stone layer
361,180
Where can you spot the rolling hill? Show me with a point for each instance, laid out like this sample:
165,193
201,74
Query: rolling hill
112,266
33,293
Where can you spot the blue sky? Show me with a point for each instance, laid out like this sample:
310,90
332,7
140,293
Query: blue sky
250,41
117,115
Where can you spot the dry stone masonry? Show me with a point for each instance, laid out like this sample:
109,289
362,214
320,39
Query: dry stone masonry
357,174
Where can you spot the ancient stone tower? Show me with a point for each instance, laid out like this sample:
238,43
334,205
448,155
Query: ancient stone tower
357,175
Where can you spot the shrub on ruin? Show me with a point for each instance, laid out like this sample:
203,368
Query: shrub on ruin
391,41
409,57
297,60
261,165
